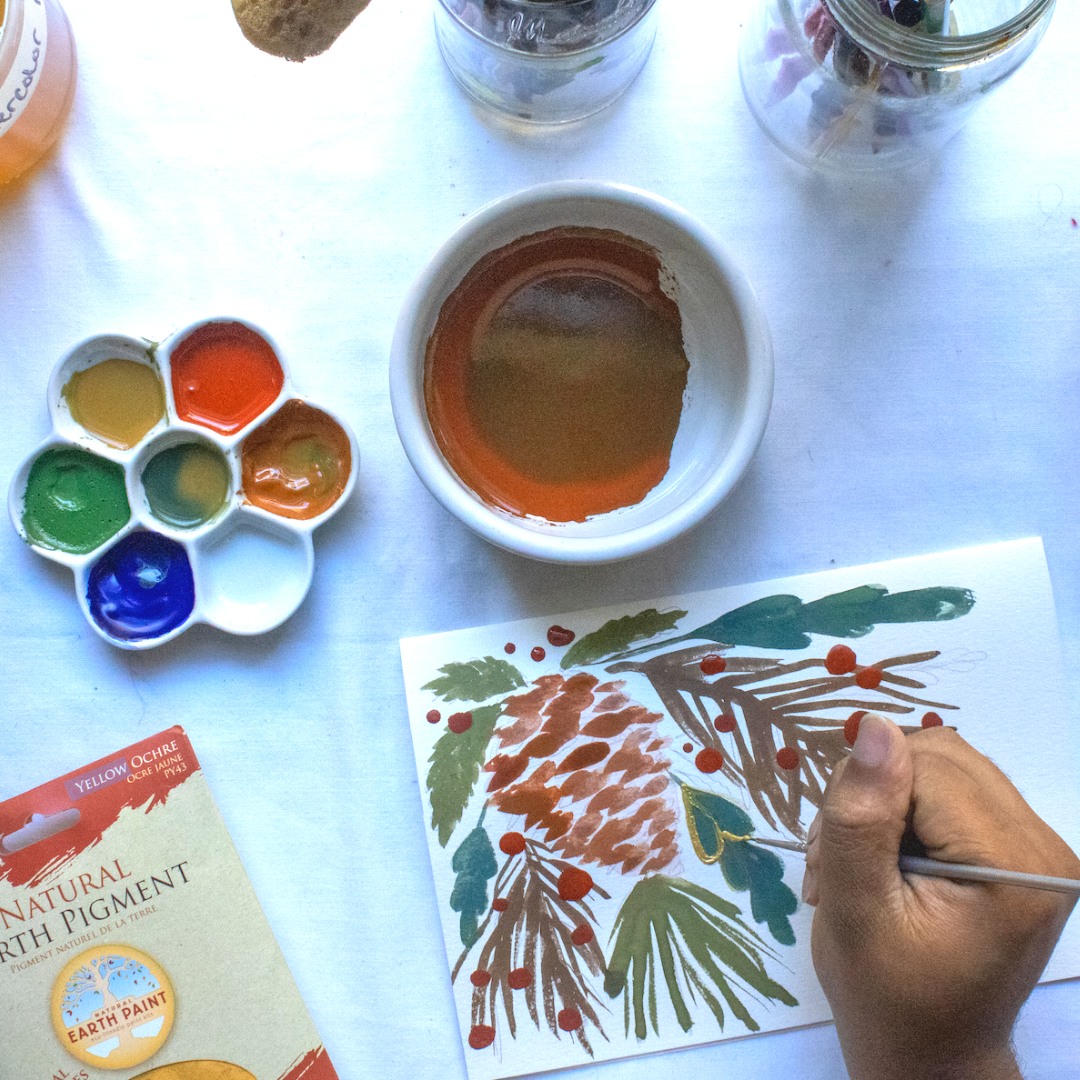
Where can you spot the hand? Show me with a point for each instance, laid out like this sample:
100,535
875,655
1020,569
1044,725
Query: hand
925,976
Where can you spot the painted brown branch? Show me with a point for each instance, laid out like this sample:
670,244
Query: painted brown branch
534,932
776,711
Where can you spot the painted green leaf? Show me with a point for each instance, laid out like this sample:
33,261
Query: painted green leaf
474,864
697,943
748,866
618,634
455,767
785,622
477,680
718,830
709,817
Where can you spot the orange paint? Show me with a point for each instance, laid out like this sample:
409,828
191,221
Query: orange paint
224,375
555,374
297,464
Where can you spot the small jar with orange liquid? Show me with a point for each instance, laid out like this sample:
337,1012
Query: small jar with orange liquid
37,81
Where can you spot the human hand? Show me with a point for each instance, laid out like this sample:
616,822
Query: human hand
926,976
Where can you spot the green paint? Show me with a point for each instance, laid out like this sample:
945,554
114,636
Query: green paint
187,484
455,768
476,680
688,935
474,863
618,634
74,500
749,867
785,622
718,829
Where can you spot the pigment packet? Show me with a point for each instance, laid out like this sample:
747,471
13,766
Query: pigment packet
131,941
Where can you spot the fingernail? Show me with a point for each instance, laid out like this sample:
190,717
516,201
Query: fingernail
872,744
809,888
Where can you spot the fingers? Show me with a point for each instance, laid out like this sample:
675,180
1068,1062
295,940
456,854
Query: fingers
853,845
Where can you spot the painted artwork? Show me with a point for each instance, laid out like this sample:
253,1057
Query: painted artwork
618,800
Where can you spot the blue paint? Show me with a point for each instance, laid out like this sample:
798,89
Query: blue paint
141,587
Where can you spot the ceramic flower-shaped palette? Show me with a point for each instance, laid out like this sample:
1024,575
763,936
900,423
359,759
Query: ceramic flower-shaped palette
182,482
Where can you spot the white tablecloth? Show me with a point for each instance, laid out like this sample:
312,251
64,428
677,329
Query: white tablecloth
927,337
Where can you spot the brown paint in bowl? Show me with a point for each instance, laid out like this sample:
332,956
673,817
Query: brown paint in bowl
555,375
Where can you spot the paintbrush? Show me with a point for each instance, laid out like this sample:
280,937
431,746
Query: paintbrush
914,864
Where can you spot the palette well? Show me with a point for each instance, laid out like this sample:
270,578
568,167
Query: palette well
182,482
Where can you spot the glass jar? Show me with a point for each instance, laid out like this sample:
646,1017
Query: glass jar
852,85
545,61
37,81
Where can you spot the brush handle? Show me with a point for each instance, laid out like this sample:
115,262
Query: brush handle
912,864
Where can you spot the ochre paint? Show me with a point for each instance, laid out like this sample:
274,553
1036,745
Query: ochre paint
555,375
297,464
223,375
117,400
74,500
186,484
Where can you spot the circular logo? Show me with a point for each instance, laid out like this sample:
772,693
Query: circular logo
112,1006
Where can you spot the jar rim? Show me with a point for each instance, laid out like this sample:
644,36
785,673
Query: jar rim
537,7
900,45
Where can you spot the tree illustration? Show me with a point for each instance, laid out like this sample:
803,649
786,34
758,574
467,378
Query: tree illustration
589,781
101,982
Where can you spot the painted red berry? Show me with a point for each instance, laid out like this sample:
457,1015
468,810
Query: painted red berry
687,747
569,1019
713,664
709,760
512,843
582,934
725,722
434,716
559,636
481,1035
500,903
840,660
538,654
931,719
519,978
787,757
574,883
868,677
851,727
460,722
509,647
480,977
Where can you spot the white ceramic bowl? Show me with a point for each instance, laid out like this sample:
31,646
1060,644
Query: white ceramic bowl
729,384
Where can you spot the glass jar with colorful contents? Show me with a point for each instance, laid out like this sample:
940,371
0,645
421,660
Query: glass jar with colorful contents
37,81
182,482
853,85
545,61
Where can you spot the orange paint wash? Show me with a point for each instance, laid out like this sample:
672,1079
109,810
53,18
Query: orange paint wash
36,92
297,464
224,375
555,374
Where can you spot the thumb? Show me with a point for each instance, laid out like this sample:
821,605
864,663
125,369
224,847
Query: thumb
853,860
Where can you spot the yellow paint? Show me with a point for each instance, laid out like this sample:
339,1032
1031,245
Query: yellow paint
203,478
117,400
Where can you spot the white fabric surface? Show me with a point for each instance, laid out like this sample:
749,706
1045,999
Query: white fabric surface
927,337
